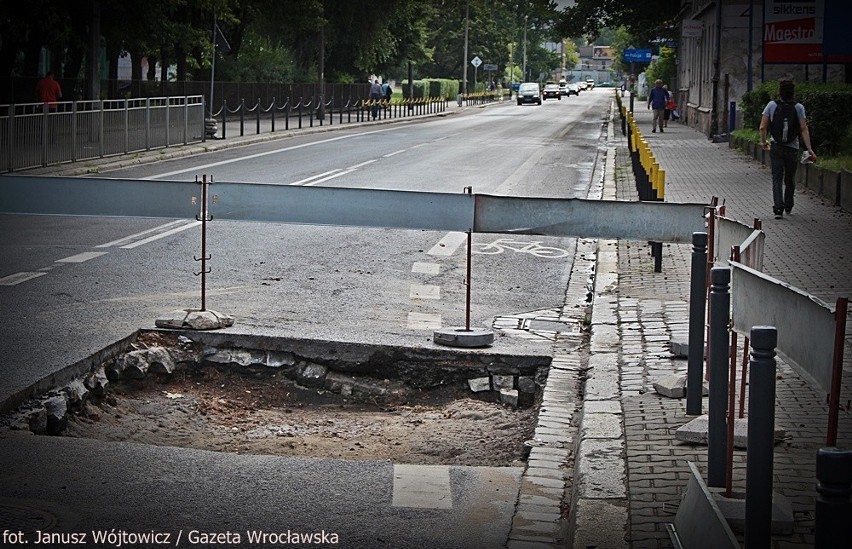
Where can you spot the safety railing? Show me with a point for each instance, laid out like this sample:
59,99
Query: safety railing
310,111
38,134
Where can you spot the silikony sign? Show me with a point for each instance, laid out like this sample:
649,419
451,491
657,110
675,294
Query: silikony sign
793,31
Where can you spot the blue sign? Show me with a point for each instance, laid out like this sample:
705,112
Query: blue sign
633,55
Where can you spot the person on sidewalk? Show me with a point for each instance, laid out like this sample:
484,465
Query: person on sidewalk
376,95
784,121
48,91
657,100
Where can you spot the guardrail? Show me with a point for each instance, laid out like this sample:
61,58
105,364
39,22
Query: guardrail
317,111
38,134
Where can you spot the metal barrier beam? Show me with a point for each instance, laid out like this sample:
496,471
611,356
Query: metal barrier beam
659,221
805,324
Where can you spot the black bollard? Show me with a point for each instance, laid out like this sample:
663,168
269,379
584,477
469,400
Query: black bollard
718,348
761,438
697,302
834,496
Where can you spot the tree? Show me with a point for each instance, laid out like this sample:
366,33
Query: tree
646,20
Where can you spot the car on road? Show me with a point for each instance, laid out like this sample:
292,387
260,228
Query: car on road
583,85
529,92
563,87
573,89
551,90
591,83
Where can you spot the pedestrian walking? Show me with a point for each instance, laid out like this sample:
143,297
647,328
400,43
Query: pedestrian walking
657,98
784,121
375,96
670,106
48,91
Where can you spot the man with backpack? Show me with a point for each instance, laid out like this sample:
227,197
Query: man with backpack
785,122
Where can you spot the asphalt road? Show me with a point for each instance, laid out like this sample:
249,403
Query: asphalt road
93,281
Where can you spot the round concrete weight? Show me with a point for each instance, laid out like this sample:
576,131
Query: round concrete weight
460,337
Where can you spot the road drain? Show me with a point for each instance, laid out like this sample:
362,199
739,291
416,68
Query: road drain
302,398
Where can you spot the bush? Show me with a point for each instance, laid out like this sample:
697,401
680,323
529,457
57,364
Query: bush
447,89
829,118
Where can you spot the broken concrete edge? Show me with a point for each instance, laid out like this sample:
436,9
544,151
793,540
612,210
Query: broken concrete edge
129,359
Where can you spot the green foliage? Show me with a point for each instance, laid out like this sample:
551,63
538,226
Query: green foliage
437,87
664,67
259,60
647,20
829,118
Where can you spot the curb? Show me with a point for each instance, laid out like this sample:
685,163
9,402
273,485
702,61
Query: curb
599,504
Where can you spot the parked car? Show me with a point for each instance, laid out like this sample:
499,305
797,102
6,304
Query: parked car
573,89
591,83
551,90
529,92
563,87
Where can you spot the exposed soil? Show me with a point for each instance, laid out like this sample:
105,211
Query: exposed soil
224,411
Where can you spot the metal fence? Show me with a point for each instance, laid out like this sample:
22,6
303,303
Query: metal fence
34,134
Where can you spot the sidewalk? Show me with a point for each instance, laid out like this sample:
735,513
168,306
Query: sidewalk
808,249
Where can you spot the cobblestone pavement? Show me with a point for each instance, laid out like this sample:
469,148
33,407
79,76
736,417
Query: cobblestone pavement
808,249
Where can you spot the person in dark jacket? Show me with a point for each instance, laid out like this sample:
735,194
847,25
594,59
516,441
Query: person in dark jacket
657,99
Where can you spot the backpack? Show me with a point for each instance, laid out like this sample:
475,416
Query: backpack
784,126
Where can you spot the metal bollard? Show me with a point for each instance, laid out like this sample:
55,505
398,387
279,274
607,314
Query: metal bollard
717,362
834,496
761,438
697,303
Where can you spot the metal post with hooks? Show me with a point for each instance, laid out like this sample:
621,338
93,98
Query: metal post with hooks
203,218
199,319
465,337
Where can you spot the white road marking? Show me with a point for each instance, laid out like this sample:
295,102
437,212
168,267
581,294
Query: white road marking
17,278
448,245
132,237
426,268
394,153
161,235
424,321
324,179
80,258
356,166
317,176
422,486
198,169
425,291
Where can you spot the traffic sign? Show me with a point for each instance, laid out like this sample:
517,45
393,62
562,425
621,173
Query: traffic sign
476,61
489,67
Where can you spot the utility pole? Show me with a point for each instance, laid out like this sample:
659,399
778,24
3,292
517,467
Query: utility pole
464,61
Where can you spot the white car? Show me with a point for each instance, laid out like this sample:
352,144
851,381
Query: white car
563,88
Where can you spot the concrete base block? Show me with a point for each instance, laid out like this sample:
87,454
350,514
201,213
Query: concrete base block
680,347
461,337
674,386
696,432
733,509
509,397
479,384
194,319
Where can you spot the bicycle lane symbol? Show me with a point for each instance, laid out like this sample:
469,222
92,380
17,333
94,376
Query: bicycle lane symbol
533,248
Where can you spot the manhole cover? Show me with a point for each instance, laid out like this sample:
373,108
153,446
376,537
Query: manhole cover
19,518
541,325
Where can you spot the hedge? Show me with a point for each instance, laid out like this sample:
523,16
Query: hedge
447,89
827,107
